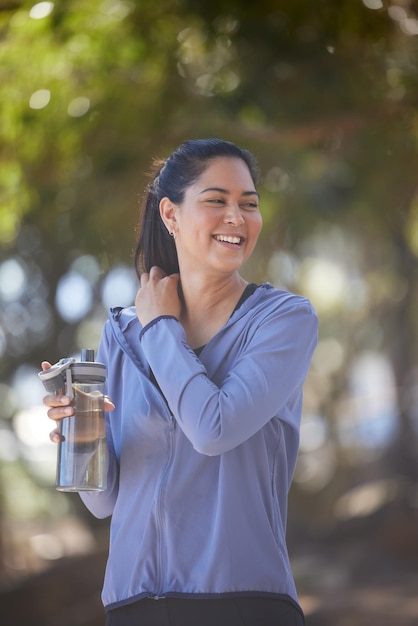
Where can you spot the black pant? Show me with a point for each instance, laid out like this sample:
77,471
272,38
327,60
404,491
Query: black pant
235,611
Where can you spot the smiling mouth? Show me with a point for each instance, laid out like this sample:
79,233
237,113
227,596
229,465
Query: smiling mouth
229,239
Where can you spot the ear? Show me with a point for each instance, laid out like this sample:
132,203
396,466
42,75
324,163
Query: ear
168,214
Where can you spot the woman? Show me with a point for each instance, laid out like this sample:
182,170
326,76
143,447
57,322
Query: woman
206,376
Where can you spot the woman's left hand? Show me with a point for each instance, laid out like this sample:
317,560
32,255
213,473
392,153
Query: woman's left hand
158,295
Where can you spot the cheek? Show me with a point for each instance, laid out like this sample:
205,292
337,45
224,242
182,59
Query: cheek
257,224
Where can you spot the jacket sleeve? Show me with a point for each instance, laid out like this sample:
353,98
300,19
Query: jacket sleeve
101,503
269,371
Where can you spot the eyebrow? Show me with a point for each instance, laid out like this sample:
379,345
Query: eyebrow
221,190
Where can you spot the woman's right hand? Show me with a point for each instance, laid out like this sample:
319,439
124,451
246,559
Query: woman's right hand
60,407
158,295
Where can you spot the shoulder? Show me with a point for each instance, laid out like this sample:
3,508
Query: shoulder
287,317
121,322
272,315
281,301
278,312
123,317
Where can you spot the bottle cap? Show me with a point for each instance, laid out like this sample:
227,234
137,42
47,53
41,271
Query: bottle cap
58,379
87,354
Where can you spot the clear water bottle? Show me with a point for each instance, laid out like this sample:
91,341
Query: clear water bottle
82,451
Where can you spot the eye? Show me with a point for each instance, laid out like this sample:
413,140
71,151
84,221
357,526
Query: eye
250,206
216,200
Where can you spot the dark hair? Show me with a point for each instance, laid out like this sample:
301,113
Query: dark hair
171,178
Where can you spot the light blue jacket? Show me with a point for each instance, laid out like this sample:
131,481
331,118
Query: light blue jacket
199,474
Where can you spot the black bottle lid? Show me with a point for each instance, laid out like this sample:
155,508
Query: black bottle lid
87,355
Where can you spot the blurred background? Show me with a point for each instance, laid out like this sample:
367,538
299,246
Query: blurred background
325,93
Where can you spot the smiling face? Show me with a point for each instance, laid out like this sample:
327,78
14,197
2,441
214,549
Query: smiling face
217,225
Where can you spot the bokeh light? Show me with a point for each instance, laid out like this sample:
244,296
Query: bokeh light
78,107
74,297
41,10
40,99
119,287
12,280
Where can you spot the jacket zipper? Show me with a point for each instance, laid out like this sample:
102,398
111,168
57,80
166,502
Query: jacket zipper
160,513
160,505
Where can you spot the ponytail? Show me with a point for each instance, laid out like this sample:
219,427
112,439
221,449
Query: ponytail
155,246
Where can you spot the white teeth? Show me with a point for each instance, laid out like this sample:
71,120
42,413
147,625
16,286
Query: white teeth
228,239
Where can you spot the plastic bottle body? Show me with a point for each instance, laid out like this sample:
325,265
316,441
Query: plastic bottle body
82,453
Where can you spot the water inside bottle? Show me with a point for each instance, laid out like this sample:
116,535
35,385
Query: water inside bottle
82,452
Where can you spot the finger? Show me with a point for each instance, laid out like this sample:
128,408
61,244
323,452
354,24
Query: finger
45,365
55,436
174,277
157,273
58,413
53,401
144,278
108,404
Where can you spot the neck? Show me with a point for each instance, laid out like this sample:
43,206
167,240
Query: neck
201,294
207,304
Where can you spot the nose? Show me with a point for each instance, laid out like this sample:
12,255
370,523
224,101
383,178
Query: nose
233,215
